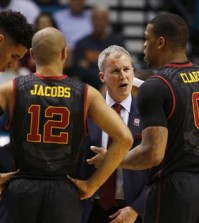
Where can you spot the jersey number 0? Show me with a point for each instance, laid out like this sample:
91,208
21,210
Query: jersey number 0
195,101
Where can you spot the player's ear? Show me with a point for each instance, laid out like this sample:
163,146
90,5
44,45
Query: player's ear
64,53
31,54
161,42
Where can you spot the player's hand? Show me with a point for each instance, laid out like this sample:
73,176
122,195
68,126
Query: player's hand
124,215
82,186
5,177
97,159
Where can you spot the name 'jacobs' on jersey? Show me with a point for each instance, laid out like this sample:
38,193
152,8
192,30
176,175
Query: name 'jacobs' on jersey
48,91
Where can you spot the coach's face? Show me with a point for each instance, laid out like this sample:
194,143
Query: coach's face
118,75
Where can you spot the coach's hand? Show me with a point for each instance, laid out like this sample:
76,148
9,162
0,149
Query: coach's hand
124,215
98,158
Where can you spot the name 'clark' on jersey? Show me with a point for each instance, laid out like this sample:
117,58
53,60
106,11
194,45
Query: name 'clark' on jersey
47,124
182,153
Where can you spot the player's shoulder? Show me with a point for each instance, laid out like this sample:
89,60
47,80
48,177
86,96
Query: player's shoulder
153,86
152,81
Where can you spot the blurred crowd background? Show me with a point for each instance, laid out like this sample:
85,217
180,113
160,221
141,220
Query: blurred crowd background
90,26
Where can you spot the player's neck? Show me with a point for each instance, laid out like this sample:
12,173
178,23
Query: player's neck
49,71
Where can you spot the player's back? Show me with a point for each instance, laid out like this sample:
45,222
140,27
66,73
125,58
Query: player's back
182,153
47,124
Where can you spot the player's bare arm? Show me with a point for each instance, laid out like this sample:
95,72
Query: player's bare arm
109,121
148,154
151,150
4,178
6,95
5,102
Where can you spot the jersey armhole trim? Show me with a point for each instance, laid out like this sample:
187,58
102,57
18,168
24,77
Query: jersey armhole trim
172,93
85,109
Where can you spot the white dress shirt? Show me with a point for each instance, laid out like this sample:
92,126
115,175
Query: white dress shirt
124,114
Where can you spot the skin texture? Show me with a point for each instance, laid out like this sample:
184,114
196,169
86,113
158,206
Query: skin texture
159,50
10,53
4,178
52,63
15,38
125,215
118,76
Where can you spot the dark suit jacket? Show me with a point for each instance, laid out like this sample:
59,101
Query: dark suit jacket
134,181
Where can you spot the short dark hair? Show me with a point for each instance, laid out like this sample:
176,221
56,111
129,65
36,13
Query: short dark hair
172,27
15,25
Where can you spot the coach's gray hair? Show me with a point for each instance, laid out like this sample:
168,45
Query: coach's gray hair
111,50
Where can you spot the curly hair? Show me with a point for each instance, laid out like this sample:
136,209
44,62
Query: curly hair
15,25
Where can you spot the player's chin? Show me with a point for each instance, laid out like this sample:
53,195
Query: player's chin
148,62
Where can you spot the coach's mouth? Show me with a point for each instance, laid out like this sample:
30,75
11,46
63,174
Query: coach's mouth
123,85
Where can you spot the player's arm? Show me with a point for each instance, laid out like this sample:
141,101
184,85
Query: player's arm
150,152
6,96
151,104
4,178
110,122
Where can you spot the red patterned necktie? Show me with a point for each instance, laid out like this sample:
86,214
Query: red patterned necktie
107,190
